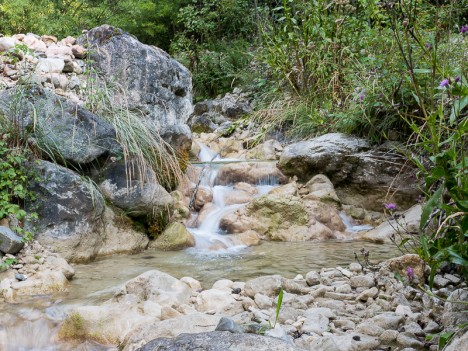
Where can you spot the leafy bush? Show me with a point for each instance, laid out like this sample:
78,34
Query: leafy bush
438,146
14,178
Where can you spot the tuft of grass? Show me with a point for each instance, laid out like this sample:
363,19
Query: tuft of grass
144,151
73,328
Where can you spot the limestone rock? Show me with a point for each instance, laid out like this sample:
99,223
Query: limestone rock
321,188
7,43
361,176
384,232
155,84
267,285
218,301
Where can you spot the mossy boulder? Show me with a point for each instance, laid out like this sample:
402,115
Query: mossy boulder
174,237
282,216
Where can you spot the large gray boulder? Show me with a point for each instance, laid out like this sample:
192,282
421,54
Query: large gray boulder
69,212
10,243
154,83
218,341
64,130
363,176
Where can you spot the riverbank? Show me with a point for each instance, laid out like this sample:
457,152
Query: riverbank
342,308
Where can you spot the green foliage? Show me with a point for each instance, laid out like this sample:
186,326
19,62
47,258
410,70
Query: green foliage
438,146
7,263
152,21
214,44
14,191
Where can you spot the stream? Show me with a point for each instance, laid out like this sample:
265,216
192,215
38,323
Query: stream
33,324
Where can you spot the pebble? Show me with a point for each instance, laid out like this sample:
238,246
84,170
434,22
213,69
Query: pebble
409,340
20,277
362,281
369,293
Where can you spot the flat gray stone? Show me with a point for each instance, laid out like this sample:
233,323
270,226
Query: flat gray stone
218,341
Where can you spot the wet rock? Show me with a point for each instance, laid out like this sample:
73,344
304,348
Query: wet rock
237,197
252,173
218,341
10,243
120,234
204,195
282,217
174,237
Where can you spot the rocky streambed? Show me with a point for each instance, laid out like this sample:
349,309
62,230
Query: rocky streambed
349,307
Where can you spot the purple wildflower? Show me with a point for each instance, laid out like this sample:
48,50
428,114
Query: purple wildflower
410,273
428,46
457,79
444,83
390,206
464,29
361,96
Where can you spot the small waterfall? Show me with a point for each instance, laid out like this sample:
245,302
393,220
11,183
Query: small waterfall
207,155
351,226
208,235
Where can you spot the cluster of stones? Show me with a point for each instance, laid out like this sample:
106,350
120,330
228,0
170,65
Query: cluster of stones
44,60
34,271
352,308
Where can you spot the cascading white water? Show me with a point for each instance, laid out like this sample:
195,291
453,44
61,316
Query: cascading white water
208,235
351,226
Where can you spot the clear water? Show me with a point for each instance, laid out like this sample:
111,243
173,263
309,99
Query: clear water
33,325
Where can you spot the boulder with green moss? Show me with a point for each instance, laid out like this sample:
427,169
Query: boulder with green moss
281,215
174,237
